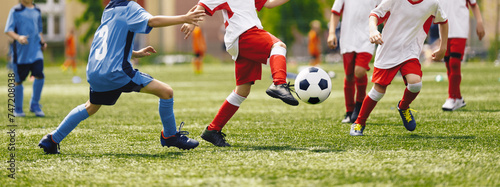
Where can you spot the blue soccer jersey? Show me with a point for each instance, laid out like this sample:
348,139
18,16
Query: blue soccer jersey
28,22
109,66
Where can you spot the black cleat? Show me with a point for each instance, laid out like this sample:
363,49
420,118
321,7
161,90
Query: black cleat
179,140
215,137
48,145
282,92
355,113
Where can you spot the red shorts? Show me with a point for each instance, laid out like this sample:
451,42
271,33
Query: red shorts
384,76
456,45
254,49
356,59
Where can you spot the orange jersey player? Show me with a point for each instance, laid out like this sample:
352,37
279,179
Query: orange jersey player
199,48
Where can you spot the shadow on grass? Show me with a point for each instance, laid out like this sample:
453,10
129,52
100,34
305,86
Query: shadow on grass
461,137
290,148
475,110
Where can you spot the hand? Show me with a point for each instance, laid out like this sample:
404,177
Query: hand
438,54
376,37
194,17
187,29
332,41
143,52
480,31
22,39
44,46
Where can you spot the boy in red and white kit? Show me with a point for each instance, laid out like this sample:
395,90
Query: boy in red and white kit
400,44
250,47
458,14
356,49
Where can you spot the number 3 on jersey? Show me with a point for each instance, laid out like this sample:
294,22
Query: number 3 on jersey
103,49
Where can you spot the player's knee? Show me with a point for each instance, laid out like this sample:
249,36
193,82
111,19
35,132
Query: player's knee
359,72
414,88
168,93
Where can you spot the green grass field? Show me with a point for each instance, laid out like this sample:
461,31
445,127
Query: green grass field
273,144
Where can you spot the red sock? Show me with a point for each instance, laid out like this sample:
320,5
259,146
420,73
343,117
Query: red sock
349,95
408,97
225,113
366,108
361,88
278,69
454,78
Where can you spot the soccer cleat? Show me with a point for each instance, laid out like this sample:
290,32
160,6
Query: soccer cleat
449,104
215,137
347,117
48,145
19,114
453,104
408,119
282,92
38,113
459,103
179,140
355,113
357,129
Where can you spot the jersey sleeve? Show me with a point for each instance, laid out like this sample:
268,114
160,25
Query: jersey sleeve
472,2
138,18
382,11
338,7
213,5
439,16
259,4
40,25
11,24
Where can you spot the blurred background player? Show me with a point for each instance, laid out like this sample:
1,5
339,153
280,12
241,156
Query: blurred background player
110,73
24,25
400,45
314,45
355,48
70,52
250,47
199,48
458,14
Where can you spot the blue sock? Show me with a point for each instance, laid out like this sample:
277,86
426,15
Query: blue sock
19,91
69,123
166,110
37,92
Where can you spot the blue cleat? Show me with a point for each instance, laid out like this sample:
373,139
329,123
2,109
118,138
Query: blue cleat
38,111
179,140
48,145
357,129
408,119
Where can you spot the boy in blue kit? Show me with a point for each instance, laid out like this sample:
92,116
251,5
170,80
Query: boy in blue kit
24,25
109,71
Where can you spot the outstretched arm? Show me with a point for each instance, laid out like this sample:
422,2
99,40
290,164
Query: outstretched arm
332,37
479,21
375,36
443,33
274,3
191,17
188,28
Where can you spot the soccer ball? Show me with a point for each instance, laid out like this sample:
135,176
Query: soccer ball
313,85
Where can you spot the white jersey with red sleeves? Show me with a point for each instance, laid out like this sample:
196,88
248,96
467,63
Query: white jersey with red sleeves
354,34
405,30
458,16
239,16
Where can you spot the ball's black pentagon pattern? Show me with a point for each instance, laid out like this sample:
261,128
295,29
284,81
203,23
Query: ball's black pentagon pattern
313,70
304,84
313,100
323,84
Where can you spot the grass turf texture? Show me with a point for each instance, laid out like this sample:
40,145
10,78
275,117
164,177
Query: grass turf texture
273,144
